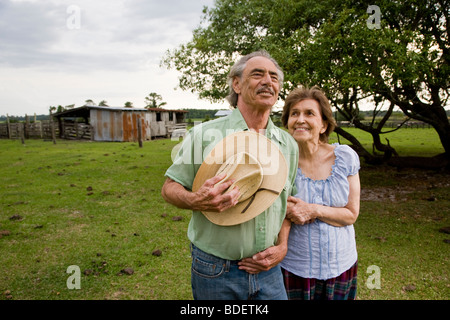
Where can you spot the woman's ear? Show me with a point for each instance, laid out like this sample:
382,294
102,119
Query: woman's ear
324,127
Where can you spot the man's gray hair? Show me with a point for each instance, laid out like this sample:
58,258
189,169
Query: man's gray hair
238,69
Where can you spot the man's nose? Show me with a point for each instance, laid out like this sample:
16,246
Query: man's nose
266,78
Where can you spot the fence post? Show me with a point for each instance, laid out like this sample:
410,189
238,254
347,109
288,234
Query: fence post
8,126
26,133
139,127
52,127
21,132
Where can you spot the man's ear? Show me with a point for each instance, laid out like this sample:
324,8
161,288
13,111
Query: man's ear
236,85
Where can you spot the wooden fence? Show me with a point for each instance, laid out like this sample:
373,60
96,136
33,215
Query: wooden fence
76,131
43,130
82,131
18,130
390,124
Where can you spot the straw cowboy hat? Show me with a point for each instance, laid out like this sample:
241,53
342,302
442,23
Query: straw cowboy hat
258,168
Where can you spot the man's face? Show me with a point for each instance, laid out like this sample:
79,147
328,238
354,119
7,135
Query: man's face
259,85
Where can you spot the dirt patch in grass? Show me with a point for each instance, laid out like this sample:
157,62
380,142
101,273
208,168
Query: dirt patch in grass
402,184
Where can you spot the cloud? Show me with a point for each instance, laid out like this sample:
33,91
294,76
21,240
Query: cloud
26,32
83,35
60,52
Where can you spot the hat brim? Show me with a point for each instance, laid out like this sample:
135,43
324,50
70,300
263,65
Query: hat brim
274,168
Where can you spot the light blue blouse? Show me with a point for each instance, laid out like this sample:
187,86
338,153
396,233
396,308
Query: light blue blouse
319,250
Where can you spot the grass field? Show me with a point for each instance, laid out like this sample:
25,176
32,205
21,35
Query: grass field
97,206
407,142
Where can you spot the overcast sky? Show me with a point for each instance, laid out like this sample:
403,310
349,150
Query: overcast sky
64,52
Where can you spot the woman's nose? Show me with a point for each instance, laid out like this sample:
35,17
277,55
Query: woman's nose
300,118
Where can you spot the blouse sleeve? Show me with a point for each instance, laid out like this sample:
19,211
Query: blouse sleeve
350,158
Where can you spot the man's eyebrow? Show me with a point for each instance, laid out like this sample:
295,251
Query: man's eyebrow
274,73
257,70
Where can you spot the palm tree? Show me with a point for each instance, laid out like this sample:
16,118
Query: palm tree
152,101
89,102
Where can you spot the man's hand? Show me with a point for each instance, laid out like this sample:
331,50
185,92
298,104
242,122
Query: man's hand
264,260
210,197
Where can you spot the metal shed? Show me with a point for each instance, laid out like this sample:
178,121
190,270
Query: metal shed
118,123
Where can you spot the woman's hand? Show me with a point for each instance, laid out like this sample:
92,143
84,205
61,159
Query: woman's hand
300,212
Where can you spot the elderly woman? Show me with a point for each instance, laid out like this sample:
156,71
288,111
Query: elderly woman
321,261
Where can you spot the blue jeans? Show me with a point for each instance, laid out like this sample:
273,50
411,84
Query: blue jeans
213,278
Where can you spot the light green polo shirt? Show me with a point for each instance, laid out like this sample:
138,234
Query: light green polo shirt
246,239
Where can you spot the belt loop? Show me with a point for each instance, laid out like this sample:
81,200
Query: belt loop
227,265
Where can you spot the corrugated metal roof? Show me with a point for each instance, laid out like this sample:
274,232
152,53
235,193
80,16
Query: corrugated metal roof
159,109
116,108
75,111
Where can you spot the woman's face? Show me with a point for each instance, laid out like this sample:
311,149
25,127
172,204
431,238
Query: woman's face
305,121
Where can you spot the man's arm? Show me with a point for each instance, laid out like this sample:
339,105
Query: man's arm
206,198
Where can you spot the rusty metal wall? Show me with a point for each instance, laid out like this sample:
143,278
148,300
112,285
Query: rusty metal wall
110,125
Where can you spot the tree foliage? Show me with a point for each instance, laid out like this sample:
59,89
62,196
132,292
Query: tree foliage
153,101
403,61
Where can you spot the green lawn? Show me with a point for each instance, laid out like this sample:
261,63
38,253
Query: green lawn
399,233
116,225
407,142
98,206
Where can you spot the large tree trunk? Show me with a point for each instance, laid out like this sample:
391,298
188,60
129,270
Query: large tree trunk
443,130
433,114
356,145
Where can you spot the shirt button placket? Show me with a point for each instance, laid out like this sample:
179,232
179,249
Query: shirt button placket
260,232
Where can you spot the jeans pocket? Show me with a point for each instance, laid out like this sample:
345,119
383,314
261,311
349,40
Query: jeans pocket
207,269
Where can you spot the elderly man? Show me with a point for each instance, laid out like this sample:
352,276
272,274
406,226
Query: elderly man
239,261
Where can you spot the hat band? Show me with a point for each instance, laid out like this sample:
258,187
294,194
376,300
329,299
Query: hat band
254,195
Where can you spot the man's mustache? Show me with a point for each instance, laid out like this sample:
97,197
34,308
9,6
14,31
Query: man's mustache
264,88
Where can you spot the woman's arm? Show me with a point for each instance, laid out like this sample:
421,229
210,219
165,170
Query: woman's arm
300,212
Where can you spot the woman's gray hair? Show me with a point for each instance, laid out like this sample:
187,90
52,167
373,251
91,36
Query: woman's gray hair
238,69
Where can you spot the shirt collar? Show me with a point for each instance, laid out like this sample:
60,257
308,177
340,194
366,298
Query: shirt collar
272,131
238,120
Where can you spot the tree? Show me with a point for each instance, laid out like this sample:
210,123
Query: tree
103,103
60,108
128,104
397,55
90,102
152,101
